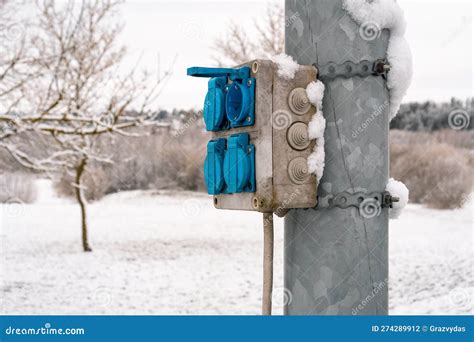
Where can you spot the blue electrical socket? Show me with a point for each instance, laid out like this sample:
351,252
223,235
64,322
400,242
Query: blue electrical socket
230,165
240,103
230,99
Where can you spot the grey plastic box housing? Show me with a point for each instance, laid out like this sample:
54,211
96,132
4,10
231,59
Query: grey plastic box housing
276,189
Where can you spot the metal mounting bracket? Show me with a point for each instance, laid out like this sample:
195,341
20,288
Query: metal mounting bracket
349,69
367,202
345,199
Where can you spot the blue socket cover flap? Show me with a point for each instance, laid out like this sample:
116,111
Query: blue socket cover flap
214,112
237,166
232,73
213,166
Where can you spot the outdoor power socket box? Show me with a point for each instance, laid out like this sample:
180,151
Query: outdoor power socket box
275,138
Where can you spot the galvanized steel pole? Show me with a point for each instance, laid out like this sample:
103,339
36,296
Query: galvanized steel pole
336,260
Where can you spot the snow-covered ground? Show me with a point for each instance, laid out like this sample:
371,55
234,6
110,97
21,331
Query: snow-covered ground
165,253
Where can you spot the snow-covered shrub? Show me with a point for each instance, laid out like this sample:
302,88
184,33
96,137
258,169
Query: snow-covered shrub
134,163
161,160
7,163
96,183
458,139
181,161
437,174
17,187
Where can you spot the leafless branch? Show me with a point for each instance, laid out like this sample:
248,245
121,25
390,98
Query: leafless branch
264,40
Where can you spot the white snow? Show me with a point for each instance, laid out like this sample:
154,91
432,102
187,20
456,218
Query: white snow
173,253
397,189
401,72
46,194
316,127
431,262
387,14
315,93
287,67
316,159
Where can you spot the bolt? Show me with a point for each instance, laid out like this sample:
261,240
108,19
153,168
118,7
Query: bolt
249,118
381,67
249,83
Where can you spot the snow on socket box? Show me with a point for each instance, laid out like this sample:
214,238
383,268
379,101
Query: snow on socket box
277,135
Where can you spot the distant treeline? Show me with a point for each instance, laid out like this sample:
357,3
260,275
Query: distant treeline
413,116
432,116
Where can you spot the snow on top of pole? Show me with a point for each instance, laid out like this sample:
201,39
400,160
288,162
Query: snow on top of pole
384,14
397,189
287,67
373,17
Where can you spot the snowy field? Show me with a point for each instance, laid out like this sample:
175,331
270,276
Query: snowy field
165,253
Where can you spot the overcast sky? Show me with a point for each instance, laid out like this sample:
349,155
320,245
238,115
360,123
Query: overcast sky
439,33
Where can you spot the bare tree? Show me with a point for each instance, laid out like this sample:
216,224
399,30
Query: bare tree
265,39
13,59
79,93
